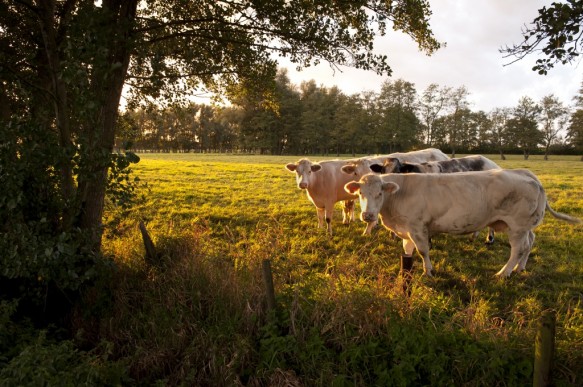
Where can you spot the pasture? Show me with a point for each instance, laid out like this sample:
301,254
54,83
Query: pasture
341,315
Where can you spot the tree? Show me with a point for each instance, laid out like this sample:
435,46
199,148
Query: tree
65,63
575,128
399,125
432,102
499,129
522,127
554,117
558,30
371,122
349,120
457,119
478,129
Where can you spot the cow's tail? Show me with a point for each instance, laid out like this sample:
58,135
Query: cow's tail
564,217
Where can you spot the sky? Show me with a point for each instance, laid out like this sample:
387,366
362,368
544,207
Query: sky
474,31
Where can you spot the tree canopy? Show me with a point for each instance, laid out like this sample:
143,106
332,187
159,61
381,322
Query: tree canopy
556,33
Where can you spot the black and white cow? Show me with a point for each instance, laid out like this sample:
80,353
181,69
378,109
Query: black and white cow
462,164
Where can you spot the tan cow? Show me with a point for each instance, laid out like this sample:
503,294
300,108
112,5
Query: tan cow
418,206
324,184
361,167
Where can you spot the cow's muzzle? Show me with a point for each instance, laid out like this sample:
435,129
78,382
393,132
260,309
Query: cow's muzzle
303,185
368,217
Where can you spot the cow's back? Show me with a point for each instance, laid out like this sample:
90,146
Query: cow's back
465,164
422,156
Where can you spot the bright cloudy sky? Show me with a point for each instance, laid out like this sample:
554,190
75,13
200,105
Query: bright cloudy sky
474,31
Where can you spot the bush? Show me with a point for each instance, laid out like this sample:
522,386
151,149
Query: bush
43,363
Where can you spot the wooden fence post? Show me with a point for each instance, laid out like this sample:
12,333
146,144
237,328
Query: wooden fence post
544,348
268,280
405,272
151,256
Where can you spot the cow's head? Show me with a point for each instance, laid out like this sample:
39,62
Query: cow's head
303,170
357,168
410,168
372,192
392,165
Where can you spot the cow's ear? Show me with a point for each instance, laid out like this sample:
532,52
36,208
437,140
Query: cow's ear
349,169
291,167
406,168
315,167
352,187
377,168
390,187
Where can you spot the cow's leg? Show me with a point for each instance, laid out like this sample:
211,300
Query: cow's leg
522,263
329,211
519,246
321,216
369,227
408,246
490,237
347,211
422,245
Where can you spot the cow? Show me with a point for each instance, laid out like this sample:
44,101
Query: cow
462,164
360,167
324,185
418,206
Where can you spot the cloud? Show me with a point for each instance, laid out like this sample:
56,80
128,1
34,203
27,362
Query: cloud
474,32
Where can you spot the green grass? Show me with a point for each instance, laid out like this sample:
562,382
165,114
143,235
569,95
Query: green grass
342,317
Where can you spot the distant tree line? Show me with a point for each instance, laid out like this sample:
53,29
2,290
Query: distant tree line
310,119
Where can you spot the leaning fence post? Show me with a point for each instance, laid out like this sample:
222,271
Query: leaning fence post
268,280
544,348
405,272
151,256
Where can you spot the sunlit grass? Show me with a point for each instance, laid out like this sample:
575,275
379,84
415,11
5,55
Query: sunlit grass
340,299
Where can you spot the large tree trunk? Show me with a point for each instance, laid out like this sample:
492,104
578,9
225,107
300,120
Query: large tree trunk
107,86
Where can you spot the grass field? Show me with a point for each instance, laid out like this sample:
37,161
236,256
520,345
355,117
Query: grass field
342,317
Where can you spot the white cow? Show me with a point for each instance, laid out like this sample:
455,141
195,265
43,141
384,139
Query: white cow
324,184
360,167
462,164
418,206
